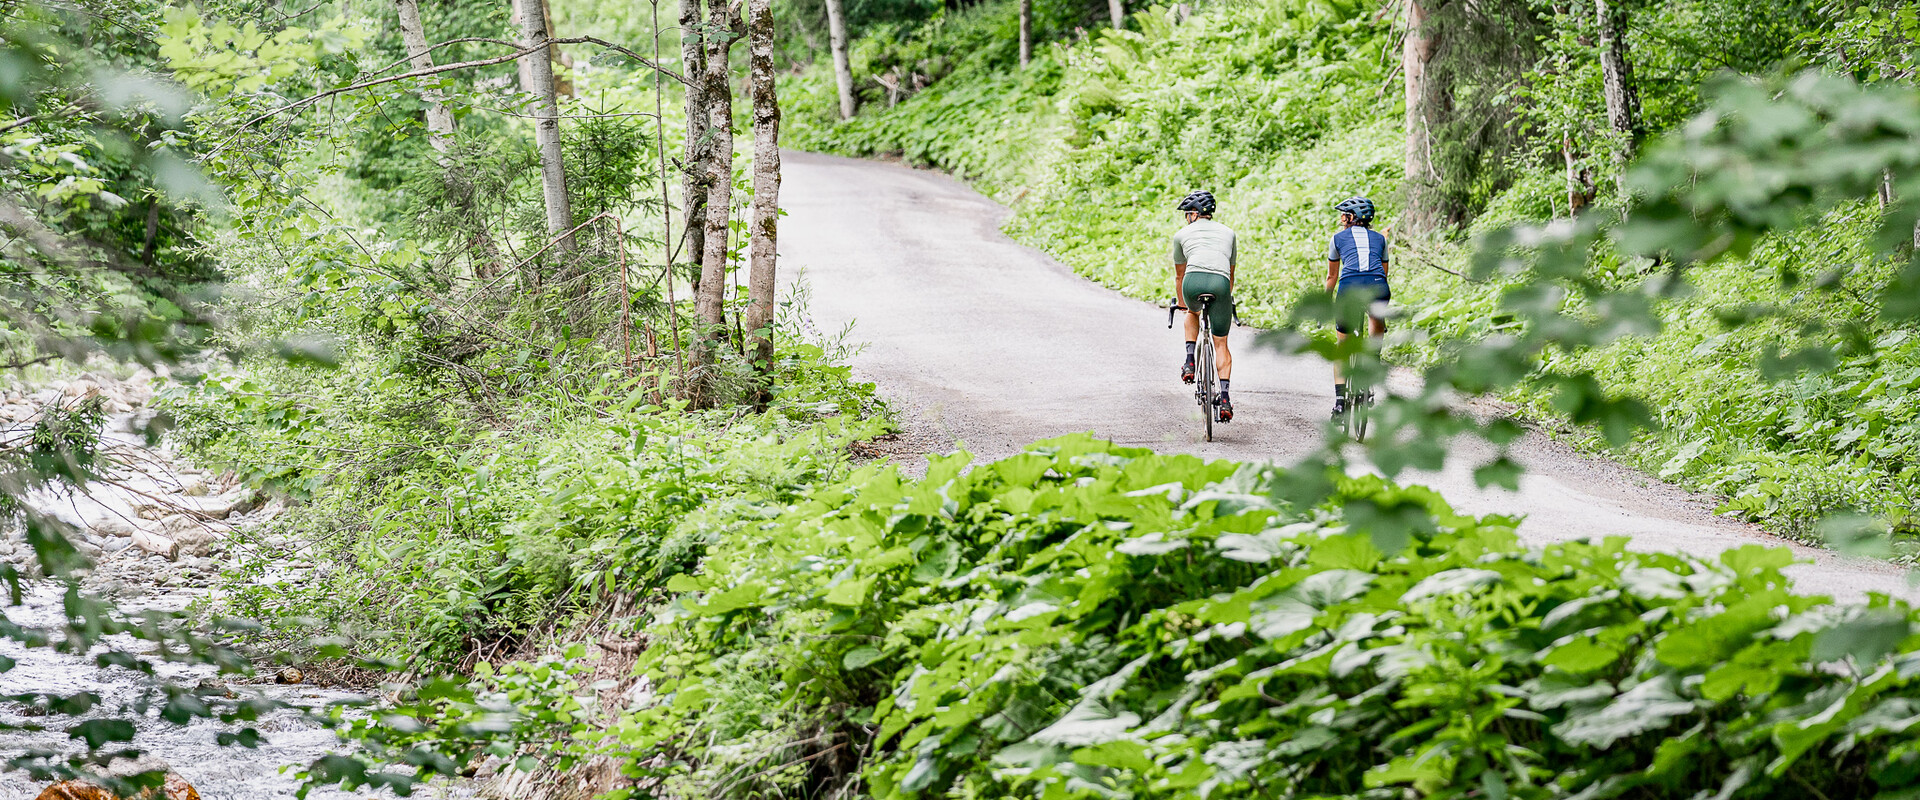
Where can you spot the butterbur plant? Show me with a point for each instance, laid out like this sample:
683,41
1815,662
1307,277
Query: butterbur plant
1087,620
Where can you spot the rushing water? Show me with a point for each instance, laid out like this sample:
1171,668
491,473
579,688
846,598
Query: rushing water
151,582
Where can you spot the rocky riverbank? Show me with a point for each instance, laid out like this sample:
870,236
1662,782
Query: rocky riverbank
152,522
160,532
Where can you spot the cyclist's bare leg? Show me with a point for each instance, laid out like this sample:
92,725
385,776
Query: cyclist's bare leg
1222,358
1193,327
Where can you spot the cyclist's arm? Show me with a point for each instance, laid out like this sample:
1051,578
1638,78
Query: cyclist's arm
1179,274
1333,273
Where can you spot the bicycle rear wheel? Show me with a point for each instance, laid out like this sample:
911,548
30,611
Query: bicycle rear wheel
1203,390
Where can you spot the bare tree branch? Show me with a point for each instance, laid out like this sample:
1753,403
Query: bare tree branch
484,62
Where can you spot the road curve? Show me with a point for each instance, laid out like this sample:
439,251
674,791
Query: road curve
988,344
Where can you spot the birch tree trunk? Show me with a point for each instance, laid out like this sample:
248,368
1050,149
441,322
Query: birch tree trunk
1422,213
1118,10
842,64
763,230
1616,72
546,126
414,35
709,303
1026,32
693,176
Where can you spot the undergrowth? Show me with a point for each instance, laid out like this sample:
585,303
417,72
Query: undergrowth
1091,621
444,533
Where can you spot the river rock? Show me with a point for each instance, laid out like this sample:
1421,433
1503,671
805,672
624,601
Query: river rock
194,487
173,787
198,542
156,544
81,388
241,499
116,545
110,525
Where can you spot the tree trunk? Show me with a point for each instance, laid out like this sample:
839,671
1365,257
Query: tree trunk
1026,32
414,34
546,126
710,301
842,65
693,177
1616,71
763,230
1118,10
1422,213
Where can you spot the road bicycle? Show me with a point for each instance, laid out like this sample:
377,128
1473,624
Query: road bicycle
1204,377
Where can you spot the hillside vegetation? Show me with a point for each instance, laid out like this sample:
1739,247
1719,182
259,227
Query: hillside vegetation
1284,107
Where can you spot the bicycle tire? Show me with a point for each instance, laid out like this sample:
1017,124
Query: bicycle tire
1359,413
1203,390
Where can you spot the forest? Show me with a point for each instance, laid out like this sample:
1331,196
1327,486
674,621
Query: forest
578,399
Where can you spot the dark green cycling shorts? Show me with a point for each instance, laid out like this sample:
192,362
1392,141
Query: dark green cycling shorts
1220,311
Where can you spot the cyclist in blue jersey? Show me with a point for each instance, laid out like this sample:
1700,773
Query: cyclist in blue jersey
1357,265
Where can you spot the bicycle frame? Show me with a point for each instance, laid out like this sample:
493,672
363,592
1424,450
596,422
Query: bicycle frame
1205,369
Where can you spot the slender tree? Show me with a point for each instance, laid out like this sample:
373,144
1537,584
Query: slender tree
1422,211
1616,71
763,230
414,35
693,176
546,128
1026,32
710,300
1118,10
842,63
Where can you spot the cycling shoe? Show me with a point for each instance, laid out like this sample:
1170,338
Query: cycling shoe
1339,407
1186,372
1225,407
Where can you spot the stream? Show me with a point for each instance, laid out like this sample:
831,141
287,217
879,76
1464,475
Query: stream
153,494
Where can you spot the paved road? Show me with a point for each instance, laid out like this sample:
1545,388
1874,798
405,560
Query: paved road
989,344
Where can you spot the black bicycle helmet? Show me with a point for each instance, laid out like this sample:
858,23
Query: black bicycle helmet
1200,201
1361,208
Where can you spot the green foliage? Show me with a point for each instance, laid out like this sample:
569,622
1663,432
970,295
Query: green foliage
442,725
449,537
1086,620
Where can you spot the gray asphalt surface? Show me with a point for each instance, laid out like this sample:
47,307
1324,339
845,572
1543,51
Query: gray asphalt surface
986,344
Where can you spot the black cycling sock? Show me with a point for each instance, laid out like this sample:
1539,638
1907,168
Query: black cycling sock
1339,390
1190,351
1223,387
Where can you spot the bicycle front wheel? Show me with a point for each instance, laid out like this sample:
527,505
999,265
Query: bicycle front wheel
1359,409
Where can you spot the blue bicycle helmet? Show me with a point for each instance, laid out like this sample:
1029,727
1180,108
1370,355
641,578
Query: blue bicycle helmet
1361,208
1200,202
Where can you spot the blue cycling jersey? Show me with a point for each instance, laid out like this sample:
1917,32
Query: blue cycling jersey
1360,251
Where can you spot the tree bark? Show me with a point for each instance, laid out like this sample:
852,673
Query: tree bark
842,63
710,301
693,177
1026,32
1616,71
1422,213
1118,10
763,230
414,35
546,126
